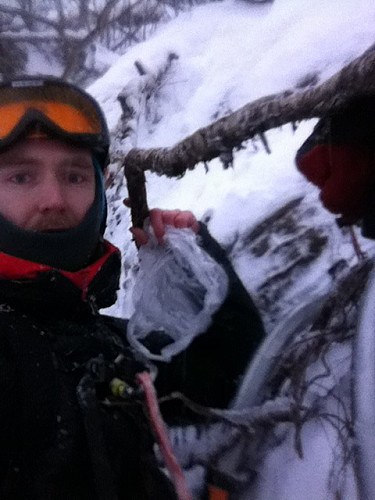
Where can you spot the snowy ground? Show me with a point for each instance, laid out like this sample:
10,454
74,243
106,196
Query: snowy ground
230,53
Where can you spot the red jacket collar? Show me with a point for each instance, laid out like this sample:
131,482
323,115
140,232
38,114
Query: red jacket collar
13,268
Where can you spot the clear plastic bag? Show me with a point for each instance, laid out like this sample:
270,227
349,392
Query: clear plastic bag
177,290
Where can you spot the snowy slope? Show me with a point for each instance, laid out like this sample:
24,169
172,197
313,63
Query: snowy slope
230,53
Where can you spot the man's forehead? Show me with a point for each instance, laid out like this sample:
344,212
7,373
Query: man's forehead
46,147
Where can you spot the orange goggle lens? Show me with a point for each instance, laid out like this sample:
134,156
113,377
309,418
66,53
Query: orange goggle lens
65,116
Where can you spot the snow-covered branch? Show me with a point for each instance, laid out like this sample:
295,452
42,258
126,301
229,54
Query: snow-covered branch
136,95
220,138
279,410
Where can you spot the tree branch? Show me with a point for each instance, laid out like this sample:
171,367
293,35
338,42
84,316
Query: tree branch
101,24
221,137
14,11
46,36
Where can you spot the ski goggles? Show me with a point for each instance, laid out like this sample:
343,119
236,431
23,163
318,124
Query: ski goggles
55,107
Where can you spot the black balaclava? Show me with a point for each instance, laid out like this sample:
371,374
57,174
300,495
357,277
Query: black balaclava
68,250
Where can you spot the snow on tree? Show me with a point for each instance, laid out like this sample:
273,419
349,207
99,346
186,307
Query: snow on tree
291,431
79,39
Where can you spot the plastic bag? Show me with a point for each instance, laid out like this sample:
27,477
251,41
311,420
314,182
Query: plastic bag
177,290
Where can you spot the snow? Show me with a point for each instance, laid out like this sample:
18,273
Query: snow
320,472
230,53
364,387
262,49
37,64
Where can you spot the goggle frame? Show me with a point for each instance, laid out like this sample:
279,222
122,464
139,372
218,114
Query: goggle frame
29,88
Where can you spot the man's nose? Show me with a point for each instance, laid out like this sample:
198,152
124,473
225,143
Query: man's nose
52,195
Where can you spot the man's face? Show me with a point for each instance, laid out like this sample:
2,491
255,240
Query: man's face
46,184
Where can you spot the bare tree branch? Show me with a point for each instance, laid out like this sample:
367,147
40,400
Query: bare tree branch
75,55
74,29
46,36
13,11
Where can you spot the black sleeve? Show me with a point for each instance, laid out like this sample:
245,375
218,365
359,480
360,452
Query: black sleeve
210,369
7,409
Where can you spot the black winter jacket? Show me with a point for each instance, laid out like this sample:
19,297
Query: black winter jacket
63,435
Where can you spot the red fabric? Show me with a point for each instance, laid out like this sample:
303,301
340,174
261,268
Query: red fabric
345,175
13,268
217,493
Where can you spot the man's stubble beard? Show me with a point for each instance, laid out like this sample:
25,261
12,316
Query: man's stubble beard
52,223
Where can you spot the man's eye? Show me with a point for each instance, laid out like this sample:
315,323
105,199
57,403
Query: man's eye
76,178
20,178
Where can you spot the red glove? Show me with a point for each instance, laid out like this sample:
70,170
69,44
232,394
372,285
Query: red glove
344,173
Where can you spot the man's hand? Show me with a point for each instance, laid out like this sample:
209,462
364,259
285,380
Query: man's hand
159,219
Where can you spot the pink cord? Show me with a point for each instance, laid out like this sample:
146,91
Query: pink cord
158,425
356,244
